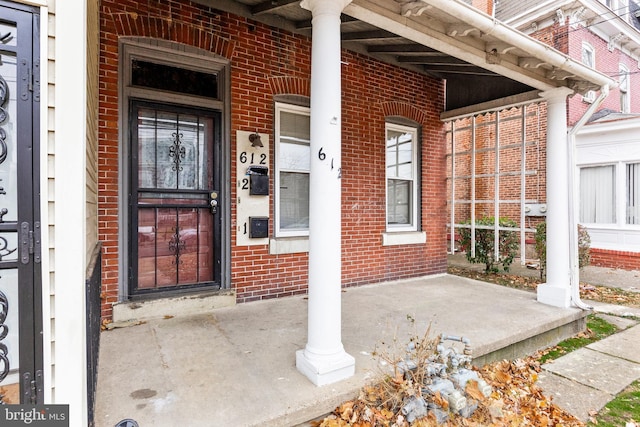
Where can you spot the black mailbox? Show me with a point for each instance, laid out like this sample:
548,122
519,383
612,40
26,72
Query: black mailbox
258,180
258,226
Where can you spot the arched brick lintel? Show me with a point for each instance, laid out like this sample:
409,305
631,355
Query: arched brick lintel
133,24
404,109
290,85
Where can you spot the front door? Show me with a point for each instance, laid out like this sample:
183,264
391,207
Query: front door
175,220
20,248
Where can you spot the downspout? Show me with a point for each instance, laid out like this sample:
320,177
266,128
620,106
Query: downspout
574,274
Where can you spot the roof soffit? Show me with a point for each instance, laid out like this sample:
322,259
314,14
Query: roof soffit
430,37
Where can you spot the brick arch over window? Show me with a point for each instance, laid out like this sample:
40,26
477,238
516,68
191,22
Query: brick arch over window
290,85
404,109
133,24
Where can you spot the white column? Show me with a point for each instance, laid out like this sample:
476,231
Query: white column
324,360
70,209
557,290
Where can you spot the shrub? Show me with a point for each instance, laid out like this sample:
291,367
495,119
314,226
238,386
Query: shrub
484,245
584,246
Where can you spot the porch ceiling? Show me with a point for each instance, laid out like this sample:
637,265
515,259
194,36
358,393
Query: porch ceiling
480,58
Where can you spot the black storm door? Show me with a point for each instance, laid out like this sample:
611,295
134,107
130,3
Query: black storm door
20,248
175,220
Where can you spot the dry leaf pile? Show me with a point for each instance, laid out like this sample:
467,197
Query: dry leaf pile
515,401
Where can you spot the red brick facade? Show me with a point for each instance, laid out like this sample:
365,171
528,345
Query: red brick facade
567,39
615,259
266,62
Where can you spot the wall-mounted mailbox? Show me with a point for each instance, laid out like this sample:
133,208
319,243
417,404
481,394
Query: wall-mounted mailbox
258,180
258,227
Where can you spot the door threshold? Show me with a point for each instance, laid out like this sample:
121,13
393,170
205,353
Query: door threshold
196,303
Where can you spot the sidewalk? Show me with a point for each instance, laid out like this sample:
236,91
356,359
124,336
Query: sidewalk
585,380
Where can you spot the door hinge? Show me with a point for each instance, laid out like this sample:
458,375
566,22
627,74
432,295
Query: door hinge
30,242
24,80
36,80
33,389
29,80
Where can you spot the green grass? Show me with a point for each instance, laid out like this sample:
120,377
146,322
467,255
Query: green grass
624,408
597,329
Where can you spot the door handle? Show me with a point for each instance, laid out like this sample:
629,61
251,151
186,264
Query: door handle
213,203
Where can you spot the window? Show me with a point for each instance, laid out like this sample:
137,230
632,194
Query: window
623,9
619,7
633,193
625,104
597,195
402,182
589,59
292,133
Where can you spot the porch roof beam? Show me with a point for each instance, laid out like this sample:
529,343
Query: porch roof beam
271,6
456,41
404,49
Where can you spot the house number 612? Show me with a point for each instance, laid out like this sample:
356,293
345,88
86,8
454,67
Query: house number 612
323,156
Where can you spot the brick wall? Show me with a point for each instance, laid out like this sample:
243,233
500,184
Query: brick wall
266,62
615,259
569,40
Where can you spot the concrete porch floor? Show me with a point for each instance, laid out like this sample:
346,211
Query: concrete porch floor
235,366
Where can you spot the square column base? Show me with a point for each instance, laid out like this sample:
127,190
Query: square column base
323,372
557,296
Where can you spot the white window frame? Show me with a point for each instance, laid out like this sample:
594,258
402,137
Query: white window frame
295,109
590,96
415,179
624,87
625,196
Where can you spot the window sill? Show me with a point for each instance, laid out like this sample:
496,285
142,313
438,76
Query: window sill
288,245
404,238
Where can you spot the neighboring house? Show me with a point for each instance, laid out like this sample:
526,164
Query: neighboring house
224,151
608,155
604,35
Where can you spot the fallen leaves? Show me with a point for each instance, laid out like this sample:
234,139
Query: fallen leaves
587,291
515,401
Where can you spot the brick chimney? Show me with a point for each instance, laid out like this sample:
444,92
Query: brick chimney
485,6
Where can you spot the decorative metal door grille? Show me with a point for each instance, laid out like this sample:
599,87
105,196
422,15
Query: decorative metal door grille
174,232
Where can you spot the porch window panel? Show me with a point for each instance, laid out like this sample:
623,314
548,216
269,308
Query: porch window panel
597,195
293,159
633,194
294,201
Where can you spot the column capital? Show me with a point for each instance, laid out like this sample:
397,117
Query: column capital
321,7
558,94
